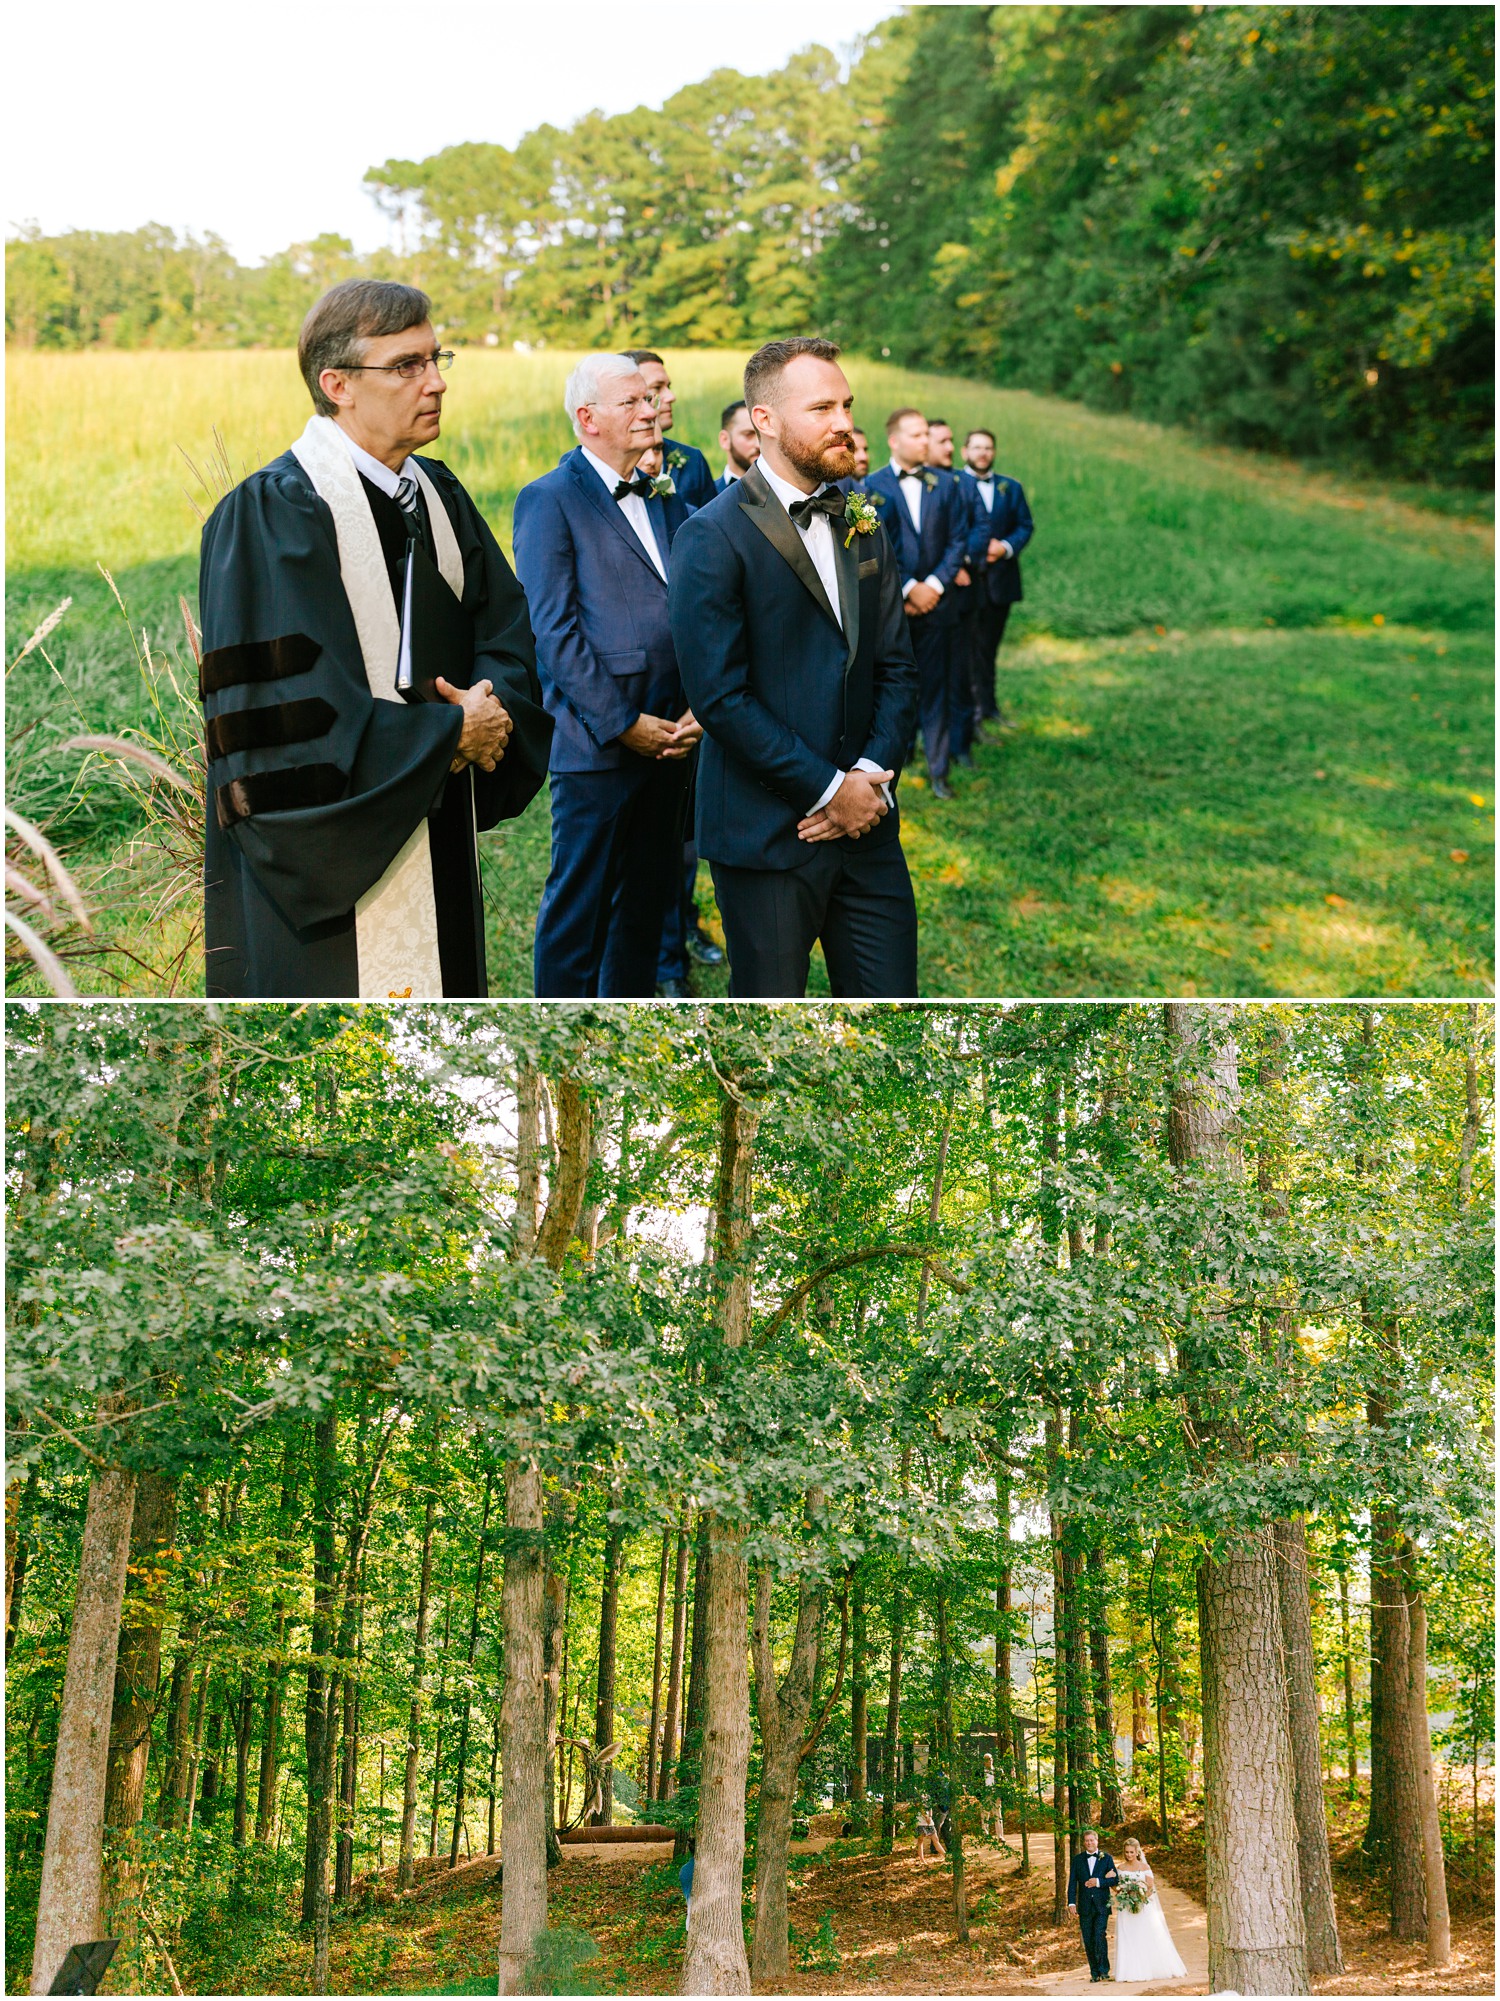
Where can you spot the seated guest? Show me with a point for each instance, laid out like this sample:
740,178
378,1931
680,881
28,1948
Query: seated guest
786,608
927,519
960,702
593,549
1002,528
686,466
369,684
738,443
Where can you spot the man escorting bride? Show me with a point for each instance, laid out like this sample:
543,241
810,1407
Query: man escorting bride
1143,1944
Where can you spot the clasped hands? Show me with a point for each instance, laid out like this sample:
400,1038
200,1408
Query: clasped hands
857,806
658,739
487,724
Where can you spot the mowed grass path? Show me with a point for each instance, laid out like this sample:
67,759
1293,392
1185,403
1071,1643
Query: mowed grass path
1253,705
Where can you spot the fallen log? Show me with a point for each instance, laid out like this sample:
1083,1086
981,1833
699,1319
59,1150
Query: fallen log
586,1837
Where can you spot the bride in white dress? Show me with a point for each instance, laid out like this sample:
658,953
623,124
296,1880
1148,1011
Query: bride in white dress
1143,1945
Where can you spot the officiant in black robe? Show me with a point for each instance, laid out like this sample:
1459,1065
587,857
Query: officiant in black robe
340,854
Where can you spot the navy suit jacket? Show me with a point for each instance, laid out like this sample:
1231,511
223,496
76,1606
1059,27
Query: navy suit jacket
1010,522
786,698
693,479
598,611
943,543
1078,1875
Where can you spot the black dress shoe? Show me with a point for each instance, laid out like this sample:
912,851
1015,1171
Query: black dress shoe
964,760
673,990
702,948
941,789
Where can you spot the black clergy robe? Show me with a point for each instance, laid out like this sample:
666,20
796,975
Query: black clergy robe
314,785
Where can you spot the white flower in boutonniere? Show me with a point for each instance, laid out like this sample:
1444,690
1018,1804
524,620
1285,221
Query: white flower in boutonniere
929,480
676,461
861,517
662,487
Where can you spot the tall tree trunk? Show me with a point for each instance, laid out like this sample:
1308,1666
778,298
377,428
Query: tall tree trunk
1351,1753
70,1896
891,1744
1403,1844
1256,1939
469,1659
319,1711
494,1774
715,1961
1111,1802
653,1734
1435,1880
137,1674
1314,1865
690,1758
406,1865
523,1715
343,1847
604,1705
244,1727
948,1739
1061,1848
669,1749
270,1747
859,1704
523,1729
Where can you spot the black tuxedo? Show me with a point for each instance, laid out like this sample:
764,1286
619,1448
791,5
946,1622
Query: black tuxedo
1088,1894
790,693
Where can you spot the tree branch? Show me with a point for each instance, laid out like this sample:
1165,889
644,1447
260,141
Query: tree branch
848,1262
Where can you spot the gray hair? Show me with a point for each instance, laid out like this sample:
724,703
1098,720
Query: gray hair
335,331
589,377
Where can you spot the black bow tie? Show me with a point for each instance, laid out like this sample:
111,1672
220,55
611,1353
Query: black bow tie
916,473
641,487
827,501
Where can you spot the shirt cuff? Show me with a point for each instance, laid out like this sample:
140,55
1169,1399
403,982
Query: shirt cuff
908,587
935,584
869,764
823,798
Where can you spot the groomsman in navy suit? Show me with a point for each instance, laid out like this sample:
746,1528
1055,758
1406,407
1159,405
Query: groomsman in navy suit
738,443
927,520
795,649
593,552
960,704
1002,528
686,467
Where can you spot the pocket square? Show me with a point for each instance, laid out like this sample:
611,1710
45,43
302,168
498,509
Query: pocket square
871,568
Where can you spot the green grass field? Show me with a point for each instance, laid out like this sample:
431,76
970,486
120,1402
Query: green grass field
1253,703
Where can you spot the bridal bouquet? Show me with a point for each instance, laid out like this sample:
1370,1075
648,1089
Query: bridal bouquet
1132,1896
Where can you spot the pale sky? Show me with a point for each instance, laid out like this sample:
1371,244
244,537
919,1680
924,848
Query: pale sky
260,121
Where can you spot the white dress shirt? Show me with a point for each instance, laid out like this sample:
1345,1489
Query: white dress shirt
986,484
633,508
380,475
911,492
817,539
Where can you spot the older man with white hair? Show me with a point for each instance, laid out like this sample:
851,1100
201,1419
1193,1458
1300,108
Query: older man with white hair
593,551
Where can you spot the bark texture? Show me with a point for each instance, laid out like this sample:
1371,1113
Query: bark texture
1314,1865
69,1905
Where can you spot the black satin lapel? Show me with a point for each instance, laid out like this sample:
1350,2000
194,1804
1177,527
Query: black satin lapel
593,491
848,569
773,521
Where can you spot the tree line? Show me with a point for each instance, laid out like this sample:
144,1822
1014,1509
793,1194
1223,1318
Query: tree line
1274,224
431,1429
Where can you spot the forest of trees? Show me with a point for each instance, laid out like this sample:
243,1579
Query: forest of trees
427,1427
1275,224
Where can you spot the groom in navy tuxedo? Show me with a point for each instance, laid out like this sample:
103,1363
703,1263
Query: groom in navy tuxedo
1089,1883
787,612
927,520
593,550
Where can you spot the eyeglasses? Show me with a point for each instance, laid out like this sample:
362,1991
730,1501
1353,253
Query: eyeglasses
410,370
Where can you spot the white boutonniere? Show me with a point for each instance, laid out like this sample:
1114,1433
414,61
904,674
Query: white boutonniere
929,480
662,487
860,514
676,461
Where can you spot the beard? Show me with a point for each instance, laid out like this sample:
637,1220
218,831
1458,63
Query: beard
834,460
